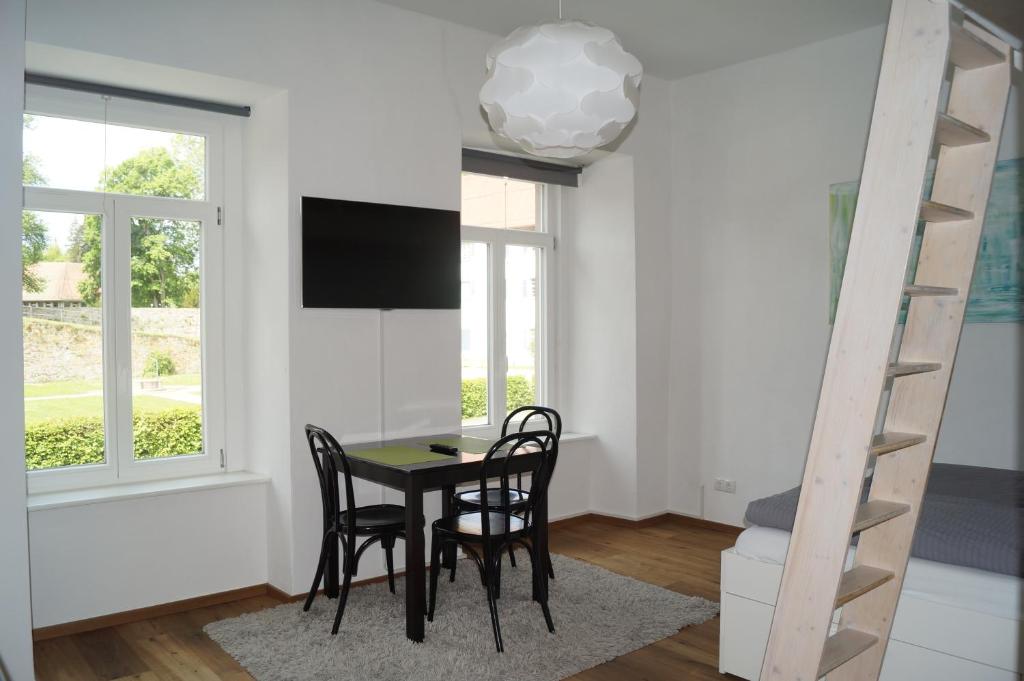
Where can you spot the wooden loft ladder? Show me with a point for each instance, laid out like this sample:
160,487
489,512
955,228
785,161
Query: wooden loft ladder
906,127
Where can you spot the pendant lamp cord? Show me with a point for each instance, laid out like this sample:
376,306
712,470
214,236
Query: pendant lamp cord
559,10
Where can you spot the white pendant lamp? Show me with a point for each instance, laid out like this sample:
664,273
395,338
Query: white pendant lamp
560,89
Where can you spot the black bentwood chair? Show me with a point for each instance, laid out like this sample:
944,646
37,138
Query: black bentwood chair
537,418
493,531
383,522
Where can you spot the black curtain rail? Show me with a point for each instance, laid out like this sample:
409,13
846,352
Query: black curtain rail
140,95
531,170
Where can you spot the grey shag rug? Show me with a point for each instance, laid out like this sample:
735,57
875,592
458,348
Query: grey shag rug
598,616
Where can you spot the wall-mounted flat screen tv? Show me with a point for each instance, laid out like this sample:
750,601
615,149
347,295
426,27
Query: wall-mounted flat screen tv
374,255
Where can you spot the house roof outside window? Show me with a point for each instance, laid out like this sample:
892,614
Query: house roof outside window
60,282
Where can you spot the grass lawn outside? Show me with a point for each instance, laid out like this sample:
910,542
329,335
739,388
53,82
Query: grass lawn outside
62,388
77,387
181,379
39,411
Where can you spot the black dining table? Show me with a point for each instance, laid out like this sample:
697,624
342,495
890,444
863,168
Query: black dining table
415,480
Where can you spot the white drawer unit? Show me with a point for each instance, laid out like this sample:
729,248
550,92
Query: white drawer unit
931,641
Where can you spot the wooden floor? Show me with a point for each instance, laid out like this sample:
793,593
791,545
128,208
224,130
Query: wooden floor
670,553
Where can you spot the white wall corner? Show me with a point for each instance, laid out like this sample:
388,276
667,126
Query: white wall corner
598,356
266,273
16,620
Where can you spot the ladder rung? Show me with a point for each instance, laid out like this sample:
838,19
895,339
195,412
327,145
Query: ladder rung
875,512
932,211
860,580
915,290
885,443
953,132
911,368
845,645
968,51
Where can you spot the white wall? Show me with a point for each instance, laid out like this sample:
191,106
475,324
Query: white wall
157,550
367,114
15,620
265,384
170,541
694,266
653,275
616,270
755,148
365,101
600,329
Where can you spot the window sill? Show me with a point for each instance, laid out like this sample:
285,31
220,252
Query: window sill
489,431
576,437
41,501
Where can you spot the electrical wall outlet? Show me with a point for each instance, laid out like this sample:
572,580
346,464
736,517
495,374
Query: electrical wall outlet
727,486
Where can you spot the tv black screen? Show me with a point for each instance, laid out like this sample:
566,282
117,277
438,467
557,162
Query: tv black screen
374,255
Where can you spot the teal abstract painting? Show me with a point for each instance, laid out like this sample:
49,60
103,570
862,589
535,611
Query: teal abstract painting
997,291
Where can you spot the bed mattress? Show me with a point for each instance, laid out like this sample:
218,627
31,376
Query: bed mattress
955,585
971,517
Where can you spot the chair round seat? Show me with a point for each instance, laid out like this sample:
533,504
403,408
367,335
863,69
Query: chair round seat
517,498
376,518
470,525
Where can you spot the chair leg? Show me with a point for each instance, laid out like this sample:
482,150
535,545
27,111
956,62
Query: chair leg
455,563
551,568
343,597
496,575
535,571
538,577
547,615
511,555
319,571
492,605
389,556
436,545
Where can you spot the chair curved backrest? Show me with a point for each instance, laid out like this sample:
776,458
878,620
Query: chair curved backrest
496,465
329,458
540,416
551,419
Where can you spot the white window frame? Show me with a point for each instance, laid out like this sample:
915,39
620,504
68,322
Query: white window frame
117,210
545,238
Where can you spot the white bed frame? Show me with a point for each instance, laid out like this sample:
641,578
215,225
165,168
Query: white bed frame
930,641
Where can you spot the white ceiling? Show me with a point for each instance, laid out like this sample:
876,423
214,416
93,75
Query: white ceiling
677,38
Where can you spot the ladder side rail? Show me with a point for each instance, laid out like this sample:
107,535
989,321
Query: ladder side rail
898,151
948,254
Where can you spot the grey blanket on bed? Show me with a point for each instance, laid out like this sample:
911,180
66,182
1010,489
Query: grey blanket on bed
971,516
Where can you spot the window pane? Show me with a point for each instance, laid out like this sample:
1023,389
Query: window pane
167,392
92,156
521,316
499,202
63,339
474,333
62,153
